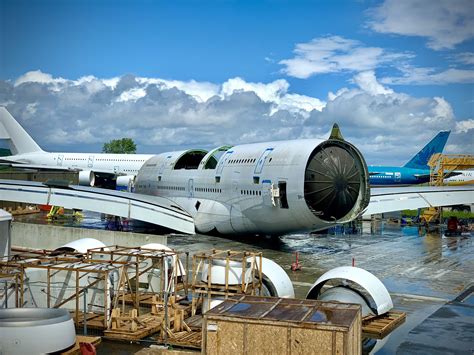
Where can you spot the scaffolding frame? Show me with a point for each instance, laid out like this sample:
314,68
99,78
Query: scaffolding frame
249,285
442,165
99,261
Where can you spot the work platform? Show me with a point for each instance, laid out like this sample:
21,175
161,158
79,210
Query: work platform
152,209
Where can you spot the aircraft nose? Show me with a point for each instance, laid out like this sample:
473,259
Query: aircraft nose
334,178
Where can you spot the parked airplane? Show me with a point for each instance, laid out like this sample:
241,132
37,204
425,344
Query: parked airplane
95,169
415,171
465,177
270,188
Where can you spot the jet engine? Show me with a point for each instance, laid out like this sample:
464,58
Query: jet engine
86,178
125,182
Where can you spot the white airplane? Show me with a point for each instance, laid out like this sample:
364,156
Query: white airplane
261,188
270,188
465,177
95,169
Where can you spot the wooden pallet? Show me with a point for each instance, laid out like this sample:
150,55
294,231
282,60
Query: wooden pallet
93,320
132,327
186,339
378,327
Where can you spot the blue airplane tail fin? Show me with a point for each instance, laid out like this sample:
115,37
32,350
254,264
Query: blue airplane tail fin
436,145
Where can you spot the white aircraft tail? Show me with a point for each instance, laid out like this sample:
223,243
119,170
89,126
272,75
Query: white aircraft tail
19,141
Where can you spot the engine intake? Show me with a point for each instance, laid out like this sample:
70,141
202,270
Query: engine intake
336,181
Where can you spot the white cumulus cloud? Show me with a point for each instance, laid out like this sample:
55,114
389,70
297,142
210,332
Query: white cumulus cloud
445,23
430,76
162,115
335,54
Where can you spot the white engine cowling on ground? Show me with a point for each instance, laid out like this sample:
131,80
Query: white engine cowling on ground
86,178
35,330
373,287
275,279
81,245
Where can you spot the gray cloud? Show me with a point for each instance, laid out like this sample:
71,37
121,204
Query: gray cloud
160,115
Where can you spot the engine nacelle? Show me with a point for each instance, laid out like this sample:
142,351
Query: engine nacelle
125,182
370,292
86,178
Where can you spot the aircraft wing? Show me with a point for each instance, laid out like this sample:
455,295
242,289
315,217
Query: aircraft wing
412,197
153,209
53,167
421,176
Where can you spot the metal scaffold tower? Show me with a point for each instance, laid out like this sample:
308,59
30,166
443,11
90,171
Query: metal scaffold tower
442,165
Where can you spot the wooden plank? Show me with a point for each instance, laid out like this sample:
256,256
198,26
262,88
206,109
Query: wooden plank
379,327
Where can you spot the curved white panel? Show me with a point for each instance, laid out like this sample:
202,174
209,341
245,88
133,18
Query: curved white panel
374,287
283,287
156,246
35,330
275,279
218,272
81,245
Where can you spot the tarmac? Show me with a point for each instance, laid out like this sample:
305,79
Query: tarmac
429,276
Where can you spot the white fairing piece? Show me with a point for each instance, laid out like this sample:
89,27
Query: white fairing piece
275,279
156,246
35,330
218,273
81,245
280,282
366,280
86,178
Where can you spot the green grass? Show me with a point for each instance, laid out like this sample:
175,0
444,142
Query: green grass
446,214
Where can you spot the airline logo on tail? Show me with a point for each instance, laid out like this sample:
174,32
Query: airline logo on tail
436,145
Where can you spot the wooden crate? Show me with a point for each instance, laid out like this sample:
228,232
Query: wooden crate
267,325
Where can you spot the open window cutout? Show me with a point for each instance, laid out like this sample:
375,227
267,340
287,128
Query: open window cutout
214,157
190,160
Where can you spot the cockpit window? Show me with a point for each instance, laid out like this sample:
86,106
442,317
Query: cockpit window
214,157
190,160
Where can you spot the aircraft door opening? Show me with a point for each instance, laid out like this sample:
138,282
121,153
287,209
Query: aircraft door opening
222,162
283,196
60,160
261,161
398,176
191,188
90,161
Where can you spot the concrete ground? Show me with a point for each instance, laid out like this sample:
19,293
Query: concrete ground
423,273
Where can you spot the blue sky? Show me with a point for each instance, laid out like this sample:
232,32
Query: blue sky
187,71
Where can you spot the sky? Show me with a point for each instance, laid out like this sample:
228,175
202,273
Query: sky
179,74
